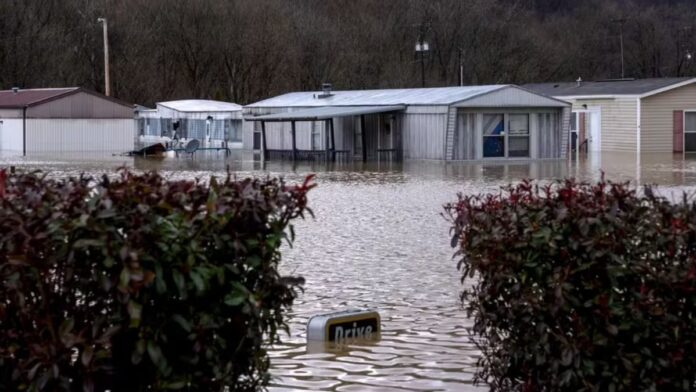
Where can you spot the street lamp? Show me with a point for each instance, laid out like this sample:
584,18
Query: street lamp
107,84
621,23
422,48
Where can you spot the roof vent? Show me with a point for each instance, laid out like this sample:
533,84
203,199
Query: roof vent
15,90
579,82
325,90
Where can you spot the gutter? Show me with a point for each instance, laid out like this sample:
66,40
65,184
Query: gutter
24,130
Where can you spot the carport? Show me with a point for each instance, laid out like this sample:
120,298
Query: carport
327,114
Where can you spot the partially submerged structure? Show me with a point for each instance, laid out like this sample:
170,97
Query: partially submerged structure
214,123
634,115
449,123
57,120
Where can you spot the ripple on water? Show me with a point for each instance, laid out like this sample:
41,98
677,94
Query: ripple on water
379,241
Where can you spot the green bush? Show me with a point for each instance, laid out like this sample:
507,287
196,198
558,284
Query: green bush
580,287
138,283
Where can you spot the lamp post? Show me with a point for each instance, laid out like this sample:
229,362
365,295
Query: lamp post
621,23
107,84
422,48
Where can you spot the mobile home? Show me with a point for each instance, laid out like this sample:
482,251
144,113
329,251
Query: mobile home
448,123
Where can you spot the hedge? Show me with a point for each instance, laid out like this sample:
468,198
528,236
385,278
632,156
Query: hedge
579,287
133,282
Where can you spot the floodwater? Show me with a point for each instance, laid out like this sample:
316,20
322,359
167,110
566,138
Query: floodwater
378,241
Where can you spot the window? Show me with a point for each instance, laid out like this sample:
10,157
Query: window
233,130
690,131
493,136
518,135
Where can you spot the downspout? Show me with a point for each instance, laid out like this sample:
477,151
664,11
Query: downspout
24,131
638,147
638,115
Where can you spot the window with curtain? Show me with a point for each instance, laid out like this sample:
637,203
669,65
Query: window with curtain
518,135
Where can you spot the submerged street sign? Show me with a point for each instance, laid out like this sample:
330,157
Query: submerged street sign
341,326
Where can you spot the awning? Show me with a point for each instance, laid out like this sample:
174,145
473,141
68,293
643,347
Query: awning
325,113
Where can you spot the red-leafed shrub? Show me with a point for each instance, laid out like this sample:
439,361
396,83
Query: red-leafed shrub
580,287
138,283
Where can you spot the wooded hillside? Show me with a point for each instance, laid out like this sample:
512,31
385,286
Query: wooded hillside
245,50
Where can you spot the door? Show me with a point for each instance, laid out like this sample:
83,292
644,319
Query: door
594,143
257,136
574,117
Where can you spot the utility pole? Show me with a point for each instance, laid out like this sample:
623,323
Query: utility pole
621,23
461,68
107,83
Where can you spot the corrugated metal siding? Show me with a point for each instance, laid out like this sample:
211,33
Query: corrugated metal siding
465,137
11,135
619,122
549,128
80,105
78,135
424,135
657,117
10,113
511,97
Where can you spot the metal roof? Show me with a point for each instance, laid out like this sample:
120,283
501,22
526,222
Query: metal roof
37,96
607,87
410,96
30,97
201,105
325,113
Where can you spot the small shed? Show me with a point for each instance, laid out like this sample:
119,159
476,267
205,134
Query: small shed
448,123
632,115
56,120
214,123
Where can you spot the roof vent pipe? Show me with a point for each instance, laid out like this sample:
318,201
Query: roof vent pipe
15,90
579,82
325,90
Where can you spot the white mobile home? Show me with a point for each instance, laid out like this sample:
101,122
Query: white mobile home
214,123
449,123
56,120
632,115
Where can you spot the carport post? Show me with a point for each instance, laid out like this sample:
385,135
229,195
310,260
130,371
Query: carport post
333,141
263,140
294,142
364,138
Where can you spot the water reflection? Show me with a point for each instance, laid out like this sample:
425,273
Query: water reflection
379,242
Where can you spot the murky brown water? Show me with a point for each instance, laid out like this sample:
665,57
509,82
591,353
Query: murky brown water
378,241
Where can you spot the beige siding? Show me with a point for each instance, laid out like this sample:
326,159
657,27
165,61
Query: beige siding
68,135
657,116
81,105
619,122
